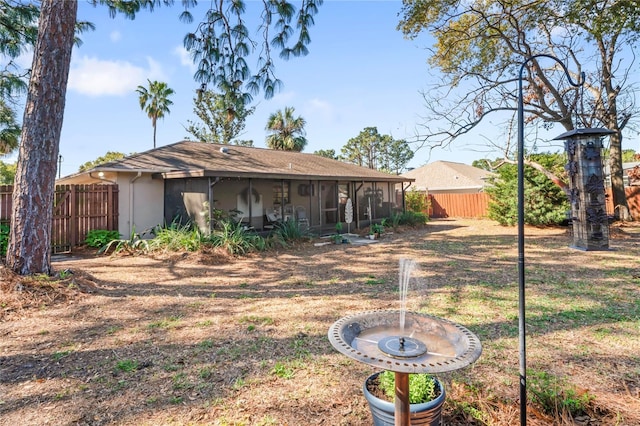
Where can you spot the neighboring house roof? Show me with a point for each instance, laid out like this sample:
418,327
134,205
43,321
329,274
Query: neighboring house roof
446,175
625,167
199,159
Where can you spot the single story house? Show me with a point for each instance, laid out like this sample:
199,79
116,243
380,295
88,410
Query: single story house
194,181
448,177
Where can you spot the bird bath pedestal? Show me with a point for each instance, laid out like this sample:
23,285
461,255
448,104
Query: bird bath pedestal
426,344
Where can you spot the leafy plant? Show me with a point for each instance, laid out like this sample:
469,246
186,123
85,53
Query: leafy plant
291,231
335,238
556,397
283,371
545,202
422,387
98,238
134,244
339,227
177,237
4,239
376,228
417,201
127,365
395,220
410,218
235,239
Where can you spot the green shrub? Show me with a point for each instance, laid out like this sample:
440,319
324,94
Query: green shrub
292,231
133,245
545,202
98,238
410,218
176,237
422,387
417,201
235,239
4,239
376,228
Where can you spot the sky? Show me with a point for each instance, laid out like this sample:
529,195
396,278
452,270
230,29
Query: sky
360,73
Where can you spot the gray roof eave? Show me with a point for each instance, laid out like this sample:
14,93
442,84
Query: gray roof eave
288,176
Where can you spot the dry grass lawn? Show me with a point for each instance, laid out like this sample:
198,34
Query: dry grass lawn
203,339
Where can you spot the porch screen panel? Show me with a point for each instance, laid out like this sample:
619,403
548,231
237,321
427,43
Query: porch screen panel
367,201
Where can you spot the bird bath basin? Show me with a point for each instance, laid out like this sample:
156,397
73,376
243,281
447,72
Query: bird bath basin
431,344
426,344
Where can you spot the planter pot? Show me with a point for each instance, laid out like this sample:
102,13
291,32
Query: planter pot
383,412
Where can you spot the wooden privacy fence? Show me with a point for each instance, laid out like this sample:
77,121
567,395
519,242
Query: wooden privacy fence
477,205
77,209
633,201
459,205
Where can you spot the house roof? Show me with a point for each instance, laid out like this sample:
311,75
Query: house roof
446,175
198,159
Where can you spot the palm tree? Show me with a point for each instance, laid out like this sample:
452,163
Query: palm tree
287,132
155,102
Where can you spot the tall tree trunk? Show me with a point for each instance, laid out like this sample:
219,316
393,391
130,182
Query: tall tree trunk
154,135
621,209
29,249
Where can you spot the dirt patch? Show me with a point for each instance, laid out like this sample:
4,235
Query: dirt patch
203,338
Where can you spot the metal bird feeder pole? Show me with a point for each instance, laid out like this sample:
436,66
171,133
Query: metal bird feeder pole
521,265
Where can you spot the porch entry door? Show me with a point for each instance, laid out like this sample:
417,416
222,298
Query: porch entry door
333,199
329,202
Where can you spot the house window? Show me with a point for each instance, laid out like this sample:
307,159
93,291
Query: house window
281,193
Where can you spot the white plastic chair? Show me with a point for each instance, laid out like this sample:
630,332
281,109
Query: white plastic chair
301,216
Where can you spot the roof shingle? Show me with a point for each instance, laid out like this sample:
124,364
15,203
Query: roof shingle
187,158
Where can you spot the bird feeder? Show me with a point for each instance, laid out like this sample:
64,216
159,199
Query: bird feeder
589,219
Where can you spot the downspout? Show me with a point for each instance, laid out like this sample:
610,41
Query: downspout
131,201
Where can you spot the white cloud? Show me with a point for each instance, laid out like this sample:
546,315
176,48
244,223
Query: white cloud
320,106
95,77
115,36
284,98
320,109
185,58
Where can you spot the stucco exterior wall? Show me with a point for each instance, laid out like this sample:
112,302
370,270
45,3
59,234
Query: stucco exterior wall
139,198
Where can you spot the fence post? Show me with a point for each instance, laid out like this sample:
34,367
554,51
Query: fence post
73,215
110,206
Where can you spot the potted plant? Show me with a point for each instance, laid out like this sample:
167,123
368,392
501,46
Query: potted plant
376,229
336,238
426,398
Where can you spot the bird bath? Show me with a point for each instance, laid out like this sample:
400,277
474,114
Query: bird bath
426,344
